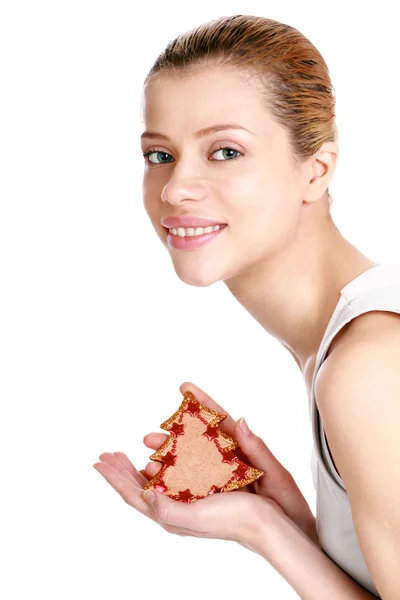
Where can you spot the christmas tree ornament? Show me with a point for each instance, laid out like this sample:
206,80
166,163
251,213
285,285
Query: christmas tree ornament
199,459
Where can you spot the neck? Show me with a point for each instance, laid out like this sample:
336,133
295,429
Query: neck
294,294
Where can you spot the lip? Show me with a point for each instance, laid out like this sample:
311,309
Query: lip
189,221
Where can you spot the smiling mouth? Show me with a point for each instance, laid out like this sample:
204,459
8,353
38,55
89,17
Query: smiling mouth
204,230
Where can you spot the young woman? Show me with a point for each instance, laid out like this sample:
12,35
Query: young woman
240,144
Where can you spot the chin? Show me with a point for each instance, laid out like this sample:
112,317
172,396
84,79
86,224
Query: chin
196,281
197,277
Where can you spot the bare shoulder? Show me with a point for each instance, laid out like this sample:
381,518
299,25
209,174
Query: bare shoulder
372,322
369,347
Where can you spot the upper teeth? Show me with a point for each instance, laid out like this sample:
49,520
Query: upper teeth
182,231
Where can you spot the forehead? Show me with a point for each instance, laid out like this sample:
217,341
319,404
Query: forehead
203,97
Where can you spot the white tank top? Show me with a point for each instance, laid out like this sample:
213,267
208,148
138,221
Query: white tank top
378,288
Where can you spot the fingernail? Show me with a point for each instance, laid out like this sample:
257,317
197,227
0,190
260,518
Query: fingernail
149,496
243,426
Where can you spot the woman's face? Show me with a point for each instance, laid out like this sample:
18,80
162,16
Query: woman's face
257,194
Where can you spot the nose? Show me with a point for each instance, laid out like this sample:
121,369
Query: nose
181,194
179,190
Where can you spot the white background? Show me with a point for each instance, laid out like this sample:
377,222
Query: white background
93,317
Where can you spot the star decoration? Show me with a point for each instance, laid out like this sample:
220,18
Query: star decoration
211,433
160,486
213,490
177,429
193,407
229,457
241,471
169,459
185,496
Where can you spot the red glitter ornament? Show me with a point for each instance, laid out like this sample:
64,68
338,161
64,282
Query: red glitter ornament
210,461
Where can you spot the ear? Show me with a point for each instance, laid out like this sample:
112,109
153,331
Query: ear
322,169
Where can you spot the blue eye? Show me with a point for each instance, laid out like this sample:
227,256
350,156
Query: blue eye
230,149
152,151
159,152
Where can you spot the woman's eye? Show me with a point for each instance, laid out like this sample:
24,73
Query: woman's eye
230,150
159,153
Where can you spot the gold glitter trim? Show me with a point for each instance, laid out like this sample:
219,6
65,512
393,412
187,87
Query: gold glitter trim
162,450
252,475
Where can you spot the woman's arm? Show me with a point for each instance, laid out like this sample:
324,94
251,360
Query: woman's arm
358,391
302,563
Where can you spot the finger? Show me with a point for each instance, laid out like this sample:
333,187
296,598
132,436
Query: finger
130,492
228,424
173,513
131,472
278,483
258,453
155,440
143,472
122,457
133,495
175,530
152,468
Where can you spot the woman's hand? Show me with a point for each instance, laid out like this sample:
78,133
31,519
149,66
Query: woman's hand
230,516
277,484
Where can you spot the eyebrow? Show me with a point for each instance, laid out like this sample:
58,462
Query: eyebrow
199,134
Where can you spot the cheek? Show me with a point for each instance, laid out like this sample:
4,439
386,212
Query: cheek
263,205
149,208
149,201
257,197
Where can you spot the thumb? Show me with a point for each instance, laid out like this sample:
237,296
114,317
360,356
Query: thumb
167,510
255,448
